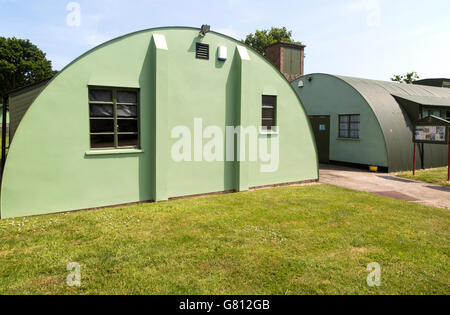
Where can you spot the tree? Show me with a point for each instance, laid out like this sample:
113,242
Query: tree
409,78
21,64
263,38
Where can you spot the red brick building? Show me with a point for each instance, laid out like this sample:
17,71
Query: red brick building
288,58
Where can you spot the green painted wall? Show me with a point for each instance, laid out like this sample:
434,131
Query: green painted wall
329,95
50,167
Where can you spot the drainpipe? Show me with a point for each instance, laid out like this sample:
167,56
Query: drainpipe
4,122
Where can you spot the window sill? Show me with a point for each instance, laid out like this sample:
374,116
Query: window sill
113,152
268,132
349,139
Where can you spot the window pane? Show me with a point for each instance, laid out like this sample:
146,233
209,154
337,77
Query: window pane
355,118
343,119
128,140
354,134
269,100
101,110
128,125
102,125
354,126
343,133
269,107
127,97
100,96
268,113
268,124
102,141
343,126
126,111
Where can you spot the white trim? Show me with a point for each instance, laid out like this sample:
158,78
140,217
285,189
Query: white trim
274,131
243,52
160,41
113,152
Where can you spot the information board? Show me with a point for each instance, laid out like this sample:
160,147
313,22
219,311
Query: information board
432,134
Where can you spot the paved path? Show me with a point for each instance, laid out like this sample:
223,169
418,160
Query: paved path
386,185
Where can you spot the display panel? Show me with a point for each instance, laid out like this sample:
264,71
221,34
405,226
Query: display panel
431,134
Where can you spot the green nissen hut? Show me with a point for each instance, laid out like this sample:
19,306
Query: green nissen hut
370,122
151,116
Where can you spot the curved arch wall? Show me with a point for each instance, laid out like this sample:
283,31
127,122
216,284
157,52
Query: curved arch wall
329,95
51,168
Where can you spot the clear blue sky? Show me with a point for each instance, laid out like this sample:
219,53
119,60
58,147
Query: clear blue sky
364,38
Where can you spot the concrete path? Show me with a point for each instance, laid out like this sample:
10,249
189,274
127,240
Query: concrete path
386,185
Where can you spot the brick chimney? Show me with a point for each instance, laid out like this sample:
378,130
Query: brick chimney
289,58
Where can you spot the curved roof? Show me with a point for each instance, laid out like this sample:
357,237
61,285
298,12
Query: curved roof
392,117
366,85
161,28
174,88
394,122
111,41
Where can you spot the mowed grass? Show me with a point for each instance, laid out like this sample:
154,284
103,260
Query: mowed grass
437,176
294,240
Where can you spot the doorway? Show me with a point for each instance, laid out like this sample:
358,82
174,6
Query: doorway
321,127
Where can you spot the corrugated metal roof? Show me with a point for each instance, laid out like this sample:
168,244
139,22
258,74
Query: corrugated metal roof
439,82
397,88
394,122
426,100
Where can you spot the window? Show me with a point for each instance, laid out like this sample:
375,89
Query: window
349,126
202,51
269,112
114,120
431,111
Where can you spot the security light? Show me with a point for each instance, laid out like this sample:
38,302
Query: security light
205,29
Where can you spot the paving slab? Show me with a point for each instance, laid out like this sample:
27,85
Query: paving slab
387,185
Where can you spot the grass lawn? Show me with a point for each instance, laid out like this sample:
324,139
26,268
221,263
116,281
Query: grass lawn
293,240
437,176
